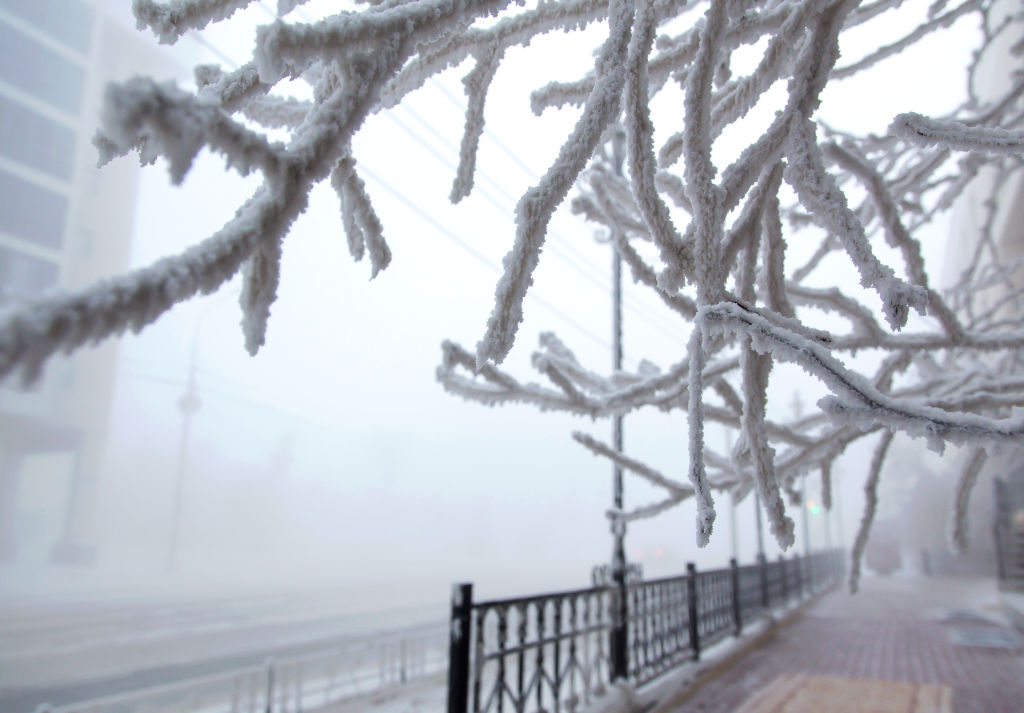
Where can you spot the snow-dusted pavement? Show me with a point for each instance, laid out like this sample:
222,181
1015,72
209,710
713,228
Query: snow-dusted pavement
62,653
930,632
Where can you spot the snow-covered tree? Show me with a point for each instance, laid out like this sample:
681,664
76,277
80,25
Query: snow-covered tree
710,241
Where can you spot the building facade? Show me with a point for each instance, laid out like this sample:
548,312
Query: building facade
995,201
63,225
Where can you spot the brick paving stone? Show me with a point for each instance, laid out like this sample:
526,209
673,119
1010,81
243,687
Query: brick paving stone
800,693
893,630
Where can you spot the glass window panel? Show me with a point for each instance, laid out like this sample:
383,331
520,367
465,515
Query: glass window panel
67,21
24,275
31,212
41,72
33,140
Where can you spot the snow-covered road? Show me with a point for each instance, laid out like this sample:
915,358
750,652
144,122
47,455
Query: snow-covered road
65,653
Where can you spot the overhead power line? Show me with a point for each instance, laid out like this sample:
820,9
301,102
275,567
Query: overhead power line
448,233
565,244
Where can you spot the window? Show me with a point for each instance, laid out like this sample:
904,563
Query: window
24,275
67,21
41,72
31,212
35,141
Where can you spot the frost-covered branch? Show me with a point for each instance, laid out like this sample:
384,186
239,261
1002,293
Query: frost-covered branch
750,259
961,499
957,135
870,508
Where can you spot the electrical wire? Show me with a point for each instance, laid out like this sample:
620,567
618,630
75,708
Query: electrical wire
574,261
565,245
449,234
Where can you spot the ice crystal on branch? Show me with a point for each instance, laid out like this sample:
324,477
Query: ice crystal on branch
719,256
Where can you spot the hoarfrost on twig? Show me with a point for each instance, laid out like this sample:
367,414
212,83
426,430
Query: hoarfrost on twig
870,508
724,260
962,498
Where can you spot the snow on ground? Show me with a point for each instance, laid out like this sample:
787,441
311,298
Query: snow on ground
46,646
428,694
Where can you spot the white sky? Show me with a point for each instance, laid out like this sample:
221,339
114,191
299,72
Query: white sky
390,479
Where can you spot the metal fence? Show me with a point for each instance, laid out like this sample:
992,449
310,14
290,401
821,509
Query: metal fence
552,652
288,684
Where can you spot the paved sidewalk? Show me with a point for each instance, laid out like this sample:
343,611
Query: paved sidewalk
912,631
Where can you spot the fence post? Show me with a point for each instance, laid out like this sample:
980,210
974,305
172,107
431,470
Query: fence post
799,567
691,609
401,670
762,566
782,578
458,648
618,635
997,535
270,686
737,615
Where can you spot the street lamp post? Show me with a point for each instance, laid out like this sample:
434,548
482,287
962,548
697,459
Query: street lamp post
838,508
760,525
732,506
828,528
798,409
188,403
620,633
804,507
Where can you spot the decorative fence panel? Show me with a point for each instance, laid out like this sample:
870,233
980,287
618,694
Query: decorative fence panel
552,652
659,634
543,653
775,575
714,606
753,592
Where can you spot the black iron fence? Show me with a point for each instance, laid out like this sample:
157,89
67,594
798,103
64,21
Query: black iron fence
552,652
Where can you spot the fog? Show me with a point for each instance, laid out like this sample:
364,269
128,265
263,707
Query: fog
333,458
332,467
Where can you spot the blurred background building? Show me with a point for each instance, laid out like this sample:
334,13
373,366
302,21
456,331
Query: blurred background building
62,224
996,534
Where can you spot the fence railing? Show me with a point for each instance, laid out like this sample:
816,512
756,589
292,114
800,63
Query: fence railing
288,684
552,652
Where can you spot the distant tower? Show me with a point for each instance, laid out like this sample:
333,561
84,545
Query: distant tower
62,224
